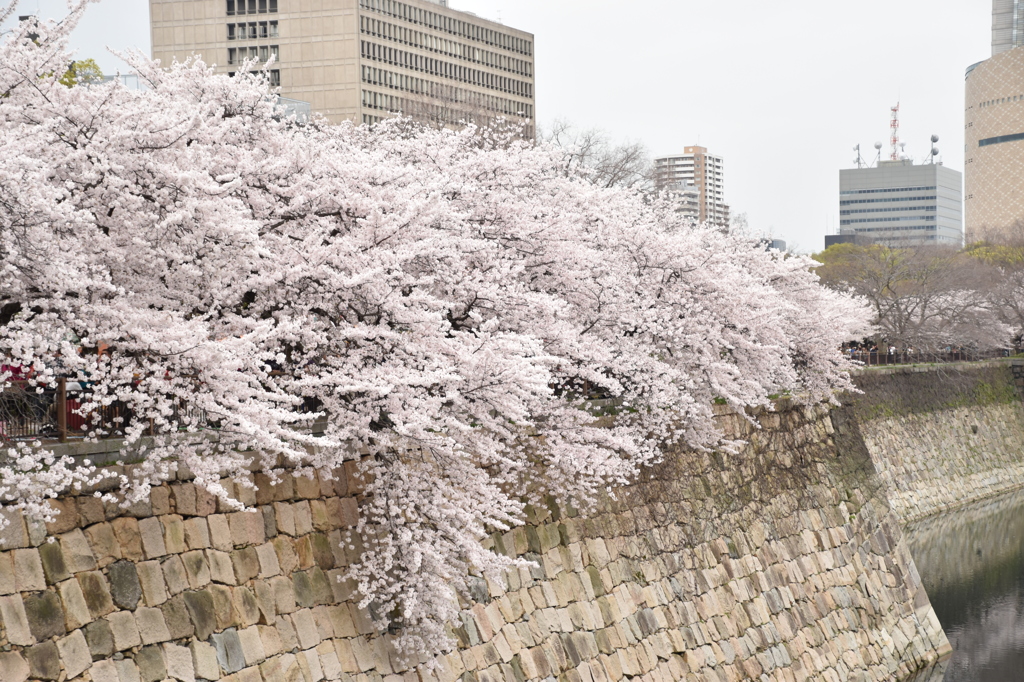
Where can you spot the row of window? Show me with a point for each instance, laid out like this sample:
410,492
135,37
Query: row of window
251,7
262,53
1000,100
889,210
426,41
893,189
1001,138
253,30
878,201
444,69
275,76
887,220
448,97
906,228
456,27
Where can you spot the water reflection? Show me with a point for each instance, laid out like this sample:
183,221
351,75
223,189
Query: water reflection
971,563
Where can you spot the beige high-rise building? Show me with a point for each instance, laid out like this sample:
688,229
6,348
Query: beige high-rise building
361,60
695,169
994,139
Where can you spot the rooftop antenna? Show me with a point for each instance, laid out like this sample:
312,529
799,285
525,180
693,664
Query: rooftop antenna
860,159
894,129
878,153
934,151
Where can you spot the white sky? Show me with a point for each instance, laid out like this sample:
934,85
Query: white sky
782,90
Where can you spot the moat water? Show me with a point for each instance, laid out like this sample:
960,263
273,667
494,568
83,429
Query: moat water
971,562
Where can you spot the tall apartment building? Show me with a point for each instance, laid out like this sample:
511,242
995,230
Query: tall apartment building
695,170
361,60
994,131
1007,25
899,204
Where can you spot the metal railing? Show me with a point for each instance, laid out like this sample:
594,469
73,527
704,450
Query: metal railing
873,358
29,412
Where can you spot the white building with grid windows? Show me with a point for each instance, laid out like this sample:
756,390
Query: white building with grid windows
695,174
362,60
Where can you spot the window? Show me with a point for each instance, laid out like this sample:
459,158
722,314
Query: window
263,30
275,53
231,31
241,32
273,29
254,53
232,55
252,6
231,7
263,6
264,53
275,77
273,5
252,31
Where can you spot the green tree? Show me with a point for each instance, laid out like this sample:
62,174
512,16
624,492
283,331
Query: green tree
82,72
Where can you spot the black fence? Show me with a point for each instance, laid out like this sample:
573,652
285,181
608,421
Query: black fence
911,357
29,412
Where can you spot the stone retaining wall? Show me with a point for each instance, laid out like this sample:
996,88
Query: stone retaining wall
943,437
782,562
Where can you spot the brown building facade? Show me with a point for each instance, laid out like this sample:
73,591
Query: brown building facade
695,169
361,60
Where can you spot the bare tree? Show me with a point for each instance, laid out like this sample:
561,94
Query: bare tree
923,297
609,165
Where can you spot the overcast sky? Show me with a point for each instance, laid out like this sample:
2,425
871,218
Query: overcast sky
782,90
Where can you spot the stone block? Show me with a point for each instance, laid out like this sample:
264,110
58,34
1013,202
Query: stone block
160,500
252,645
303,519
220,532
271,639
267,556
184,497
152,627
177,618
45,615
329,662
349,512
265,601
322,592
303,589
269,521
179,663
239,527
43,661
309,661
125,588
54,567
126,530
223,606
13,667
127,671
197,570
323,622
197,533
174,534
74,653
174,575
28,570
77,552
66,510
221,568
284,594
152,532
124,630
206,502
151,663
90,511
100,639
247,609
246,564
104,671
76,609
8,584
305,628
204,661
287,632
151,577
13,533
318,513
96,593
287,558
229,650
355,481
201,610
285,518
104,544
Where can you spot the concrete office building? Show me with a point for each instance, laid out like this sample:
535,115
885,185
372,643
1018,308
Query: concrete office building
695,171
1007,25
994,134
361,60
899,204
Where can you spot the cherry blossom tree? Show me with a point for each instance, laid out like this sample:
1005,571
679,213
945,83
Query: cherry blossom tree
446,301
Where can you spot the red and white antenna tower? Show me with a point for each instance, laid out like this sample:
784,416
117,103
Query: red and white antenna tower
894,137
